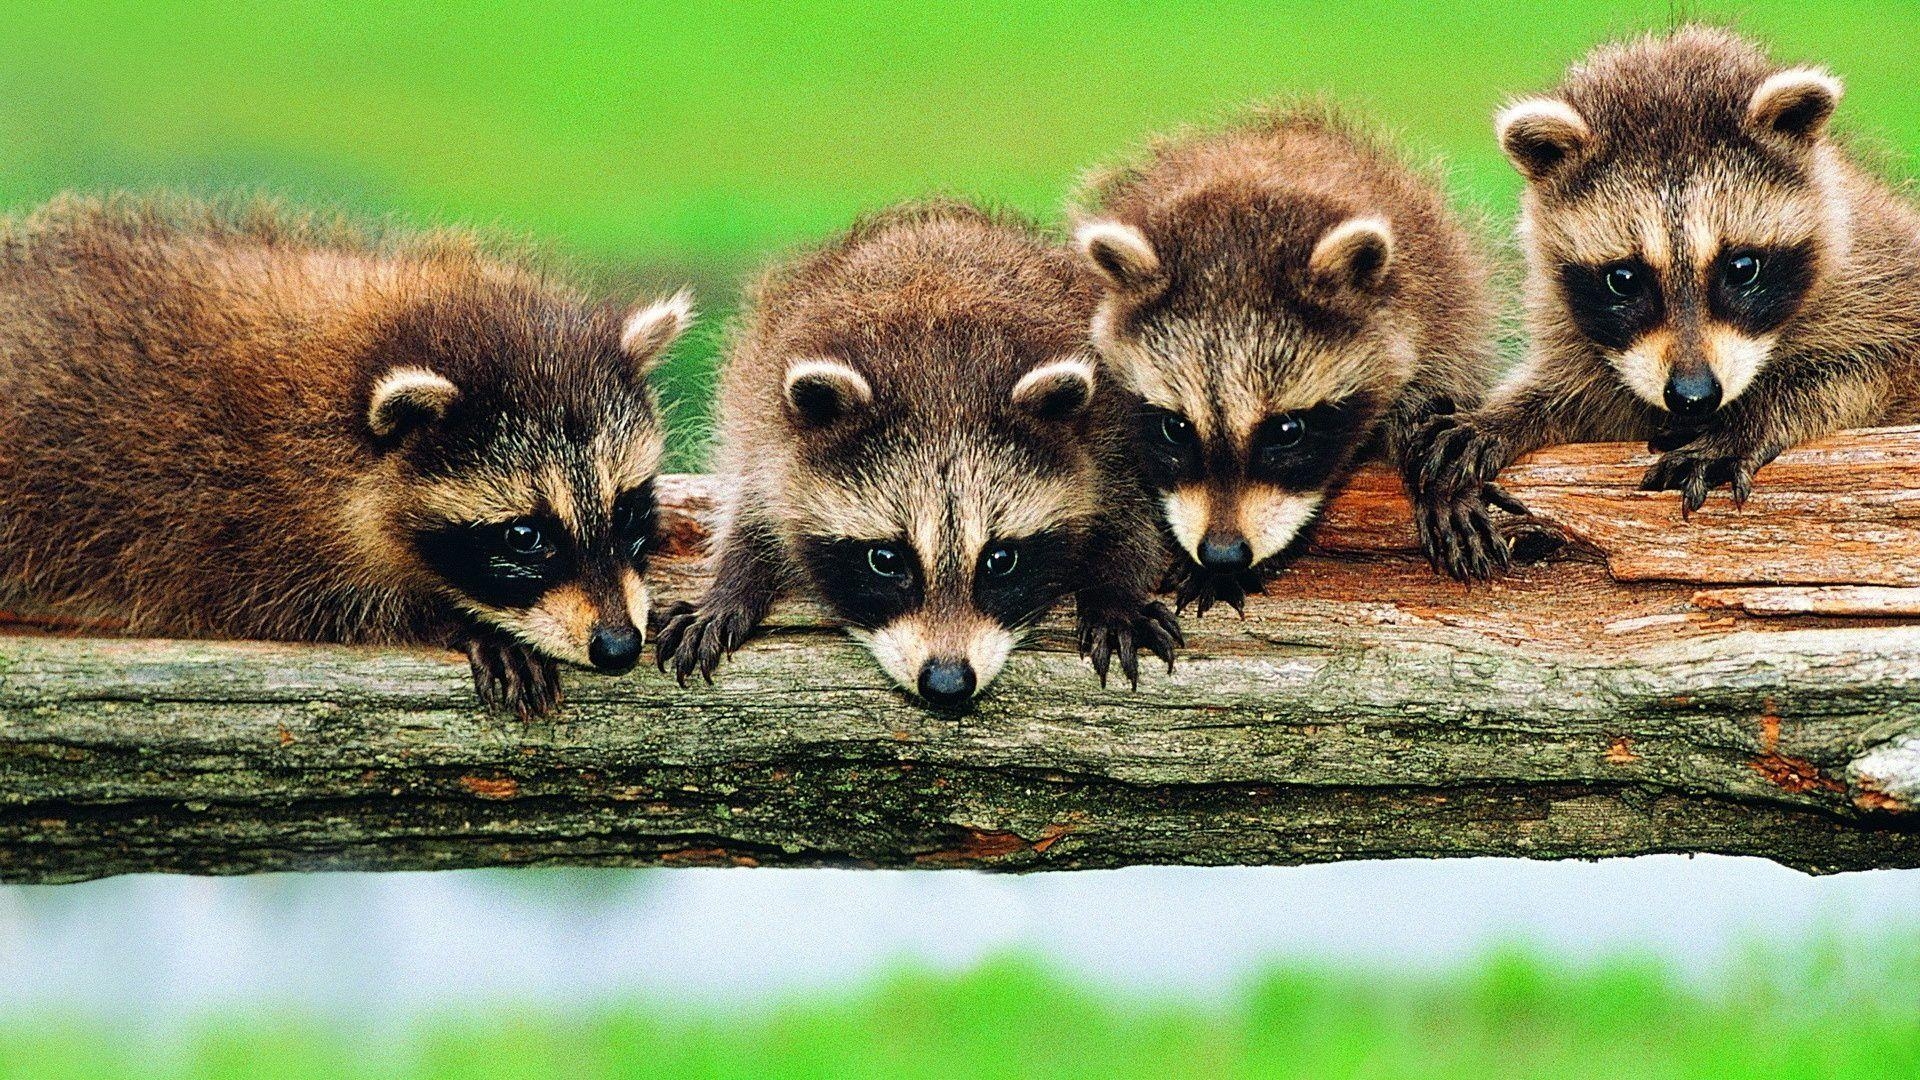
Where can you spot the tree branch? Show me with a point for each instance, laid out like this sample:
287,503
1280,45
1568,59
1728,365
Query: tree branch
1597,703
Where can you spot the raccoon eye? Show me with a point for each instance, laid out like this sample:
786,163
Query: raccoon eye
1624,281
1000,562
1742,271
1284,432
1176,430
887,562
523,538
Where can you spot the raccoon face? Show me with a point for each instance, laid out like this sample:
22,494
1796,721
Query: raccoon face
1683,269
1249,413
939,550
523,492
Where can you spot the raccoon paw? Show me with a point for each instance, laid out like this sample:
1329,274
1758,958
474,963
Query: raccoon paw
1194,585
1459,534
513,678
1122,631
1449,473
1449,454
694,639
1699,467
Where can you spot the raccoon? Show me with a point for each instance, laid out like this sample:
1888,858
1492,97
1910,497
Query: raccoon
911,424
1284,298
229,421
1708,270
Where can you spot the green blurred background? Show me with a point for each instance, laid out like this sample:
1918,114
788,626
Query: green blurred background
652,143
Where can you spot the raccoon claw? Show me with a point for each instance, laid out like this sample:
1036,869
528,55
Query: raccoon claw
1122,634
693,639
1693,472
1448,454
510,677
1160,632
1195,586
1497,497
1450,472
1460,538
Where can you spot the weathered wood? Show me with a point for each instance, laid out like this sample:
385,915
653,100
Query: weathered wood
1851,601
1842,511
1364,708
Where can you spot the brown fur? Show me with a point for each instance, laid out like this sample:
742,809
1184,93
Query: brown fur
928,319
186,446
1675,172
1261,306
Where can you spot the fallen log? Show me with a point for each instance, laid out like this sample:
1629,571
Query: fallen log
1619,696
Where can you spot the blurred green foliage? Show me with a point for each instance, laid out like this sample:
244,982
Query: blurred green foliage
690,140
1514,1016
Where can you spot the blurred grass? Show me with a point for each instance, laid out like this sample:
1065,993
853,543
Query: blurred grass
1514,1016
655,142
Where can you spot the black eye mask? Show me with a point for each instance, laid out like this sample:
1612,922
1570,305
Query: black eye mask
1170,449
1303,450
1757,289
868,583
501,564
1615,304
636,526
1016,581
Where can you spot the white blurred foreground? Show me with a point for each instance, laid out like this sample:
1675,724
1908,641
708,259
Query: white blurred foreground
388,945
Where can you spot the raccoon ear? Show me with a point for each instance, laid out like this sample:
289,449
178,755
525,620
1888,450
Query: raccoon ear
406,397
820,392
1121,253
1541,134
1795,103
1353,257
1056,390
648,331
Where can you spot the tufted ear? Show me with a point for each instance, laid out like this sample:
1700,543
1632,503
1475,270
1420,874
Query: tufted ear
1353,257
1056,390
1121,253
649,330
821,391
1796,103
406,398
1540,135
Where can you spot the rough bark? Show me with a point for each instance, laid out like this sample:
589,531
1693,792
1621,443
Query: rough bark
1596,703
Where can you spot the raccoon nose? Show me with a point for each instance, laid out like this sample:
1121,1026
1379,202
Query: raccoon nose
1226,555
948,684
1693,396
614,649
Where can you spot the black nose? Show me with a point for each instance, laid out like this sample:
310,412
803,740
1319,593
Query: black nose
614,649
1227,555
947,683
1693,396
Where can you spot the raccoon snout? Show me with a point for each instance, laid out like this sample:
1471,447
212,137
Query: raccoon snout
614,649
947,684
1693,395
1226,554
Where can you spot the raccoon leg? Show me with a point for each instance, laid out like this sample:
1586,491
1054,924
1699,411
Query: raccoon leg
1450,463
511,677
1117,614
695,637
1449,471
1790,405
